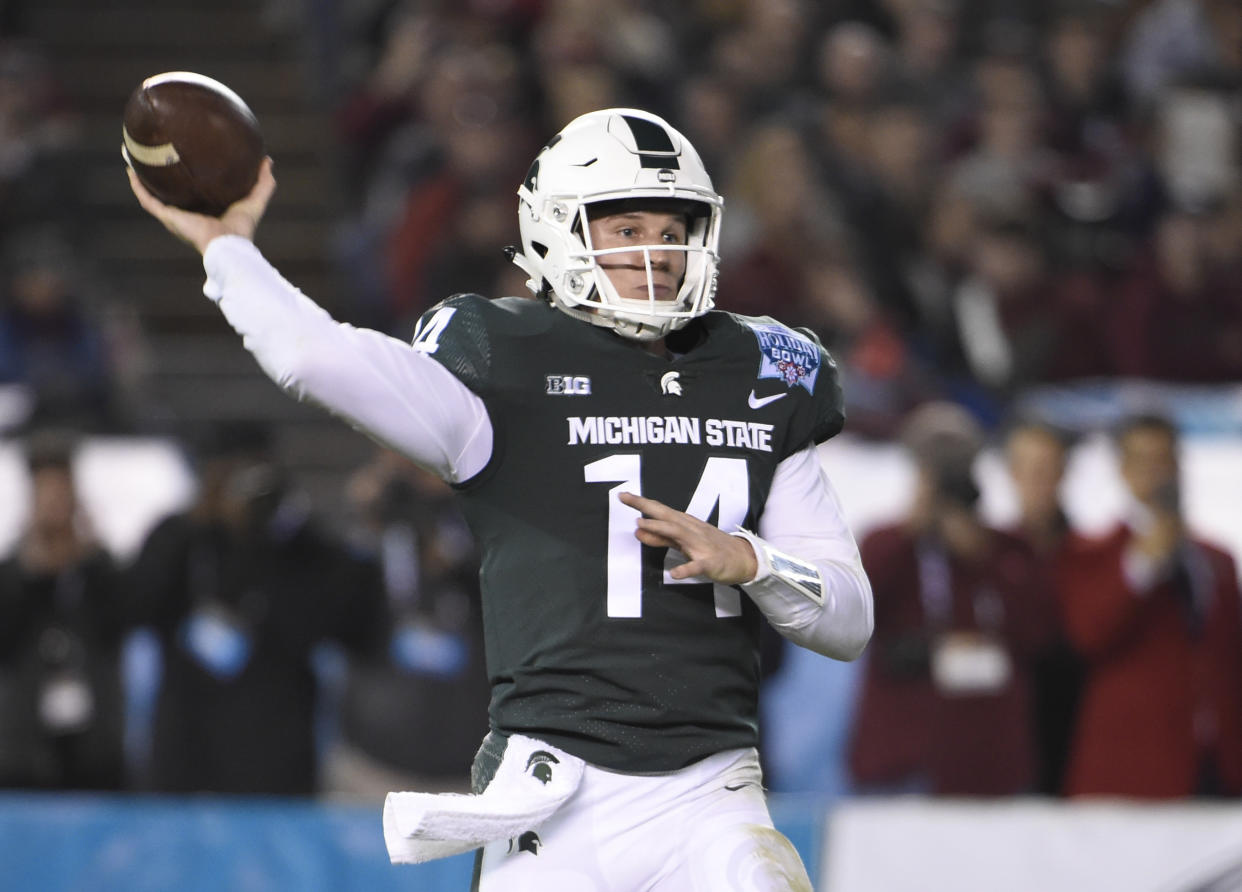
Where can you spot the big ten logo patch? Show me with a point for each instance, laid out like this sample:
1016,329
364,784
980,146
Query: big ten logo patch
568,385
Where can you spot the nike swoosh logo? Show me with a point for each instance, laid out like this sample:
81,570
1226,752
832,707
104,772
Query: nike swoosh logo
735,787
758,402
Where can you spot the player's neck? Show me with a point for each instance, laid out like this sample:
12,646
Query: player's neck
657,347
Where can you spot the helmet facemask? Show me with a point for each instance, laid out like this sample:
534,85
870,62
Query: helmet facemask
601,173
650,317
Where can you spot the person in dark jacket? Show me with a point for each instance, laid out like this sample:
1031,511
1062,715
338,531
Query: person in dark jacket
1036,454
61,627
411,718
240,590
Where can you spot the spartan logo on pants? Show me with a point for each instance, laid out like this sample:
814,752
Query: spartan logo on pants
527,842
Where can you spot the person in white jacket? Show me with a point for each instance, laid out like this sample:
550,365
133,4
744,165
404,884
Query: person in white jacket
640,471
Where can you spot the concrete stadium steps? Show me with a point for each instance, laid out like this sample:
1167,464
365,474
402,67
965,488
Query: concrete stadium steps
77,5
134,239
292,138
266,84
301,190
135,25
212,378
168,297
99,52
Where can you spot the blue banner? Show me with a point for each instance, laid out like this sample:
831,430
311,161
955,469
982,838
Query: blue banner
81,843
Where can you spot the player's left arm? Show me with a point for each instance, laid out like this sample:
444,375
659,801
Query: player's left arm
803,569
811,584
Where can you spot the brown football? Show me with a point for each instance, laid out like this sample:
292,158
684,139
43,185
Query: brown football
192,141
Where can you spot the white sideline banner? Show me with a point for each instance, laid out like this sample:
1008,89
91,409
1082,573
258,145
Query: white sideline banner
125,485
1031,845
876,482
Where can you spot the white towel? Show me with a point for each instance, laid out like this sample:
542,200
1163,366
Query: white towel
532,781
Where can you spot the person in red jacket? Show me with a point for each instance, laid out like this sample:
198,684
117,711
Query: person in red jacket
961,612
1154,611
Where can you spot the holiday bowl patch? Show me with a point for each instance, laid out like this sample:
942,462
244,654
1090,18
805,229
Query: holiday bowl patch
787,356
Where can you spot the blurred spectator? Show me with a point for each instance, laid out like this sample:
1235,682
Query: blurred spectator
1170,39
1035,454
1100,193
38,178
411,718
473,258
1196,143
462,138
763,52
961,610
781,219
240,590
1006,161
887,378
476,159
591,55
713,120
1154,611
1015,323
1178,312
50,342
928,54
61,627
873,151
574,89
387,97
947,233
1085,101
888,207
854,63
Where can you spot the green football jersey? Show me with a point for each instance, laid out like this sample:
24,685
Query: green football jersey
590,646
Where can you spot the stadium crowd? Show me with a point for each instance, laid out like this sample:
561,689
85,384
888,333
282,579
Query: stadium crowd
967,200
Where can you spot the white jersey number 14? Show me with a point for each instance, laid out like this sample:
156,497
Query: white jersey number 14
724,484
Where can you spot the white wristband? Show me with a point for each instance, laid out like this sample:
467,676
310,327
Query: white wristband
802,576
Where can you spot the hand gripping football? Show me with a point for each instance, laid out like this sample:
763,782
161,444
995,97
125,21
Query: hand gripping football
192,141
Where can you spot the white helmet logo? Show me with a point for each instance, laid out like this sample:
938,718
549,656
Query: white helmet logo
670,385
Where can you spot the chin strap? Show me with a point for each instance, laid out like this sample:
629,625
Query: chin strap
636,331
535,282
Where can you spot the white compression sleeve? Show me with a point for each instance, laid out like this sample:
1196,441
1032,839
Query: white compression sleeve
803,519
378,384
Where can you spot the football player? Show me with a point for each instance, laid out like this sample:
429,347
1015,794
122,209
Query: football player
641,473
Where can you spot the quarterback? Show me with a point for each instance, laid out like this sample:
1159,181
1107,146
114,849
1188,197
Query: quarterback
640,471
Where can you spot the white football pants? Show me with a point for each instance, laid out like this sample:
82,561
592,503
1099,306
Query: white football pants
704,828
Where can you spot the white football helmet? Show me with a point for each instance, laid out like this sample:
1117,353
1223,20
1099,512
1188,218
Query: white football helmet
617,153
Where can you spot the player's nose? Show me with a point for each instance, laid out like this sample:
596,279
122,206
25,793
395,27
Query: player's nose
661,260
